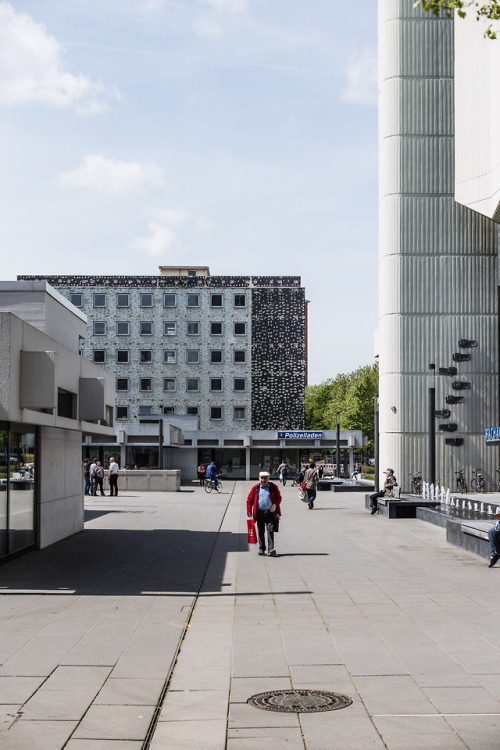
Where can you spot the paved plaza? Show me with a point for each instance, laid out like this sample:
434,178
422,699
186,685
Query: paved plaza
153,628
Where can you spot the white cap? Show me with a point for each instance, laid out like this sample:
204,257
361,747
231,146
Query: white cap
264,474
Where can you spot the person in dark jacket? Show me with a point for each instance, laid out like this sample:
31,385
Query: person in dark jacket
263,505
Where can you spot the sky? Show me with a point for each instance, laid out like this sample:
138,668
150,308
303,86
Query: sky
238,134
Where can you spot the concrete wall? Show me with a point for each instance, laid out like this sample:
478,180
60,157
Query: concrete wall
60,483
166,480
437,259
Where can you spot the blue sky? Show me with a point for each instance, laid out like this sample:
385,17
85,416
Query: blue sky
238,134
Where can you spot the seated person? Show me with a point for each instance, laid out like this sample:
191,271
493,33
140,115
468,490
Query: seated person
494,537
388,491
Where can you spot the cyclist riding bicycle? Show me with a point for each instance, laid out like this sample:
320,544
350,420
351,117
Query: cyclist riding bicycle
212,473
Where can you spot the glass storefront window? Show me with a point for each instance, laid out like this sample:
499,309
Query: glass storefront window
17,489
4,465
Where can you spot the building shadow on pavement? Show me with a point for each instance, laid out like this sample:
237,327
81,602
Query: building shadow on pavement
111,562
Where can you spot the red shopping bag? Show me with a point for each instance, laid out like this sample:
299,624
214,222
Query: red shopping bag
252,536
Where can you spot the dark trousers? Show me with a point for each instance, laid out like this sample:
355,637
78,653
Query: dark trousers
374,498
98,482
113,485
265,525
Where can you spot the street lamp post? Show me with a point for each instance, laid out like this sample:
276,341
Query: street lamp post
338,445
432,427
376,445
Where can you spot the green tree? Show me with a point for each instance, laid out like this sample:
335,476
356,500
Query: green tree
489,9
351,395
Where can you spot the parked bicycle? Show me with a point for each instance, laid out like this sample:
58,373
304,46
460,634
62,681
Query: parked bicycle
461,483
416,483
210,485
477,483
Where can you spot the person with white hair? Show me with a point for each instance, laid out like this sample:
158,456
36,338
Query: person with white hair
263,505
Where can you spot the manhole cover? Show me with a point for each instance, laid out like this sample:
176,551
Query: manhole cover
299,701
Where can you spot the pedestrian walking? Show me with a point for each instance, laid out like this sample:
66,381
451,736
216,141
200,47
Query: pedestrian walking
284,474
86,476
113,477
99,477
263,505
201,474
92,471
311,480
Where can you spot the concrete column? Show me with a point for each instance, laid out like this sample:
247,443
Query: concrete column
247,463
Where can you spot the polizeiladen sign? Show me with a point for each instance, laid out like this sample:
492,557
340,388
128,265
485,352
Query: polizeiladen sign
300,435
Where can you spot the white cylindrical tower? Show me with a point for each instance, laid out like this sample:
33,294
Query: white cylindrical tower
437,259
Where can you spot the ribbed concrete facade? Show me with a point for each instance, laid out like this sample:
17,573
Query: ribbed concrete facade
437,259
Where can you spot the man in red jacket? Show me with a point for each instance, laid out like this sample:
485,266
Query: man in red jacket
263,504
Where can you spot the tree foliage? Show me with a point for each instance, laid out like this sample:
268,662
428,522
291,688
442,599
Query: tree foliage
489,9
349,394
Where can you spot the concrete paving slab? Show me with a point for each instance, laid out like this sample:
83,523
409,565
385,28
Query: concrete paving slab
242,688
479,732
103,745
463,700
343,728
9,713
279,738
244,715
66,694
17,690
418,733
42,735
115,723
186,735
196,705
129,692
394,694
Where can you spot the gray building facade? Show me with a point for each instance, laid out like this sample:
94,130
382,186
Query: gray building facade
438,262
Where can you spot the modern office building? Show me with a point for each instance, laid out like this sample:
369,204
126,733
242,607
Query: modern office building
199,361
50,399
438,300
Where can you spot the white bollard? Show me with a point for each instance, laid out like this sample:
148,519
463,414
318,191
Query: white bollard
447,498
490,512
476,506
470,505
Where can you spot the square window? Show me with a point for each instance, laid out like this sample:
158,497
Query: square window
239,412
76,299
240,329
216,384
146,384
193,329
146,299
192,273
239,384
240,355
192,384
240,300
146,356
170,356
169,300
216,329
146,328
122,328
192,356
145,411
192,411
122,299
216,412
122,356
216,300
169,409
169,328
122,412
169,384
193,300
99,328
99,299
216,356
99,356
122,384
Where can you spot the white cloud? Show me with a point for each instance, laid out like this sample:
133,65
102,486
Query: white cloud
233,7
207,28
361,79
32,68
113,177
163,228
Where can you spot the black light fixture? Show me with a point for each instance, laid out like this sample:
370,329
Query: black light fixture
461,385
448,370
467,343
454,441
454,399
459,357
448,427
442,413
